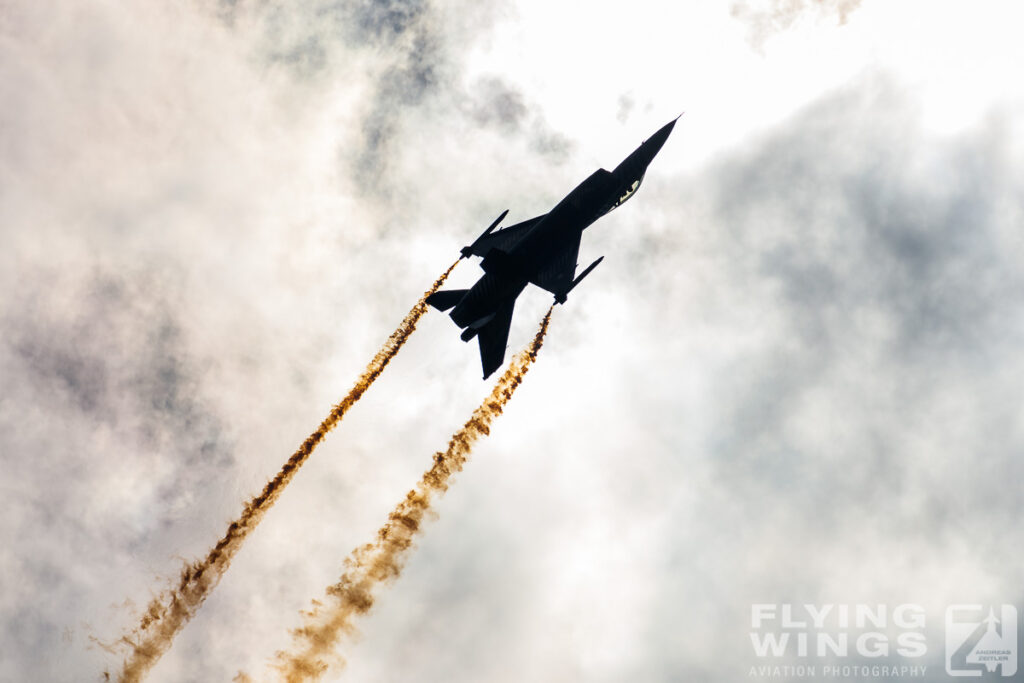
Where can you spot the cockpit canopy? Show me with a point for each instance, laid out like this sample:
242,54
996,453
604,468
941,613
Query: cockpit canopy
630,191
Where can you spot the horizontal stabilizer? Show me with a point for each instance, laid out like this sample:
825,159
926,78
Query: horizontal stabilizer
446,298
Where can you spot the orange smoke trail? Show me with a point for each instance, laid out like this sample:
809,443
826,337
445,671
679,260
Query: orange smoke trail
374,563
168,613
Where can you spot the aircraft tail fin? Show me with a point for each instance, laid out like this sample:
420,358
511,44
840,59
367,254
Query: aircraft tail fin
493,338
446,298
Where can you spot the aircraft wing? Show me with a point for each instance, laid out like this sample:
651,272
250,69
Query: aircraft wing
556,275
493,338
503,239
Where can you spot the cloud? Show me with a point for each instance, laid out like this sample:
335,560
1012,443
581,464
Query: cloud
163,199
499,104
794,376
765,18
867,274
797,385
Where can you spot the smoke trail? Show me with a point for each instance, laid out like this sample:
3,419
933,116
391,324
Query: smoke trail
374,563
168,613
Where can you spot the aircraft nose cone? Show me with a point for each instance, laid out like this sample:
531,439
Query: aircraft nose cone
637,162
664,132
654,143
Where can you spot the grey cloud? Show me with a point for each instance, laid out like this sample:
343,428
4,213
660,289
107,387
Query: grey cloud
766,18
907,226
796,376
109,349
309,38
875,262
496,102
554,146
873,221
401,87
386,19
412,51
101,404
626,104
403,44
492,102
137,356
846,293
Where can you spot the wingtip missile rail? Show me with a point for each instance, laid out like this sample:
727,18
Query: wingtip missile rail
468,250
561,296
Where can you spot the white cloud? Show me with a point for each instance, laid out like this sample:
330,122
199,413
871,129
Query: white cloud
792,377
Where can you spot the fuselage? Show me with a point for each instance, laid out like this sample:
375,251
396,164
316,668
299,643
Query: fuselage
506,273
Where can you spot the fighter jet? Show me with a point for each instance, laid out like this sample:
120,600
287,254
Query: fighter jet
541,251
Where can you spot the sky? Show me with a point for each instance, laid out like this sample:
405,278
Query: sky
795,378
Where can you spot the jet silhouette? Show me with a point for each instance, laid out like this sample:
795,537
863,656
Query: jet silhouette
541,251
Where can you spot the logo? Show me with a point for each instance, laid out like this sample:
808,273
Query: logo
980,642
837,641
